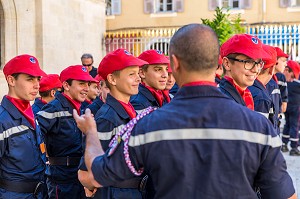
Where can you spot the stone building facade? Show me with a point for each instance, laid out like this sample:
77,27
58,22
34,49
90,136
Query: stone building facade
57,32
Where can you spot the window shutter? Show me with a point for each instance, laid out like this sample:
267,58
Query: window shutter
115,7
284,3
246,4
178,5
213,4
148,6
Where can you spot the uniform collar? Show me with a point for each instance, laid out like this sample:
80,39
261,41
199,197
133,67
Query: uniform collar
14,112
116,105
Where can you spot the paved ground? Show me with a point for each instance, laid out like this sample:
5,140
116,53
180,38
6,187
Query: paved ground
293,166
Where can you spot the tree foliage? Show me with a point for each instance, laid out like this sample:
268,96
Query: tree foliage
224,25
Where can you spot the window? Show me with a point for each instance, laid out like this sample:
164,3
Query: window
229,3
161,6
289,3
164,5
113,7
295,3
233,4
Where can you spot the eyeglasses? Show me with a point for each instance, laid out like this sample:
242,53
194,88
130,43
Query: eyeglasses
249,64
87,64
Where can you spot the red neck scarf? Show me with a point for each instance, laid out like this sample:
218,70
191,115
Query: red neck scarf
166,95
275,78
24,107
218,76
129,109
88,101
245,94
157,94
43,101
201,83
74,103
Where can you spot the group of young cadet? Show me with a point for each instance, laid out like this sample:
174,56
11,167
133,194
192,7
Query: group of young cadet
128,131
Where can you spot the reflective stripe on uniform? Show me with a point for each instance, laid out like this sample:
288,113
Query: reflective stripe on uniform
275,91
204,134
54,115
285,136
281,83
13,130
294,139
109,135
264,114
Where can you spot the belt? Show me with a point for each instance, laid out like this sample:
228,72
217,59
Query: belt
129,184
22,187
64,161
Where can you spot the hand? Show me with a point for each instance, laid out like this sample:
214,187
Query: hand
86,123
90,193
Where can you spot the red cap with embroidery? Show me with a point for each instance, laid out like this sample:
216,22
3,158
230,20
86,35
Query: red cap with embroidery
295,68
154,57
98,78
51,81
118,60
76,72
244,44
271,61
280,53
26,64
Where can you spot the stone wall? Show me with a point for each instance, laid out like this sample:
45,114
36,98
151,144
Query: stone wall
56,32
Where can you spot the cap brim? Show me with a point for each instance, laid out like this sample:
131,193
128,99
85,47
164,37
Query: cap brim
35,73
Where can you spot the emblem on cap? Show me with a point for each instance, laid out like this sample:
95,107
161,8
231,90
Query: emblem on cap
126,52
32,60
84,69
254,40
159,52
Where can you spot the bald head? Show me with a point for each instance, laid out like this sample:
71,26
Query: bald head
196,46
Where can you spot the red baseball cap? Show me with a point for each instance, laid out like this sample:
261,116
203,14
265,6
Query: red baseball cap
98,78
76,72
154,57
26,64
118,60
295,68
271,61
245,44
280,53
51,81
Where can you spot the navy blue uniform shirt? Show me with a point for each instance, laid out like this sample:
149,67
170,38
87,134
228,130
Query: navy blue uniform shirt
275,93
227,88
263,102
110,119
282,84
20,156
192,150
63,138
144,99
37,105
95,106
294,93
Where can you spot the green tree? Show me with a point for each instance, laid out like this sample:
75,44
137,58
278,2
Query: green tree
224,25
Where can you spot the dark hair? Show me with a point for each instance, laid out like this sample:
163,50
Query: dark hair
47,93
69,81
15,75
86,56
145,67
116,73
197,47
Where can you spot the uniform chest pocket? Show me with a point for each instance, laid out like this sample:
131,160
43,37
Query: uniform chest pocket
22,150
